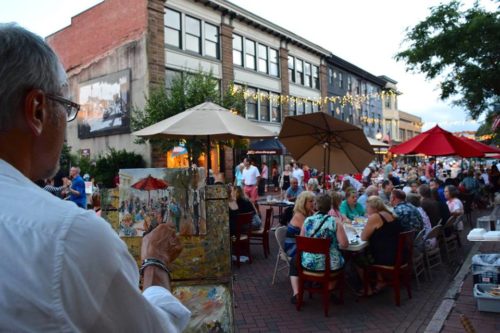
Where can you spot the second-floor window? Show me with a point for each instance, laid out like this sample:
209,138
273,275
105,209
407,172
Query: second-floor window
349,83
173,30
307,74
300,71
262,58
211,40
193,34
291,69
330,76
250,54
341,80
238,50
273,62
315,77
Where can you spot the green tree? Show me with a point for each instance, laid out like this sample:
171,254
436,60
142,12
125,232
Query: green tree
461,47
187,90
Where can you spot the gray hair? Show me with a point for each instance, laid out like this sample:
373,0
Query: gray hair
26,62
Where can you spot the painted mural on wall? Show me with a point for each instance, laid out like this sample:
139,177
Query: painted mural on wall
105,105
152,196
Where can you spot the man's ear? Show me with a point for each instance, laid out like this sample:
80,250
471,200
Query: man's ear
35,111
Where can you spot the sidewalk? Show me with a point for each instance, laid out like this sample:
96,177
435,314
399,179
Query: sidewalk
466,304
262,307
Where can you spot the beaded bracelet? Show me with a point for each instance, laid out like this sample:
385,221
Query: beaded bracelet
154,262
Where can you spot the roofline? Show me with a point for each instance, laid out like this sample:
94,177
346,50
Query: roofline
230,9
388,79
71,22
339,62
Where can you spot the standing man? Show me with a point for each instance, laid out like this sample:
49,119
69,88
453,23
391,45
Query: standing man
430,171
386,191
250,179
388,169
64,268
298,174
264,177
77,188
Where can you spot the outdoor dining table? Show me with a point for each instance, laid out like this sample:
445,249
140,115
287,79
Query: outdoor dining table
353,232
281,204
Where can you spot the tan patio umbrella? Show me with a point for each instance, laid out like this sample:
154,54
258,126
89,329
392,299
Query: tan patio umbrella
321,141
208,121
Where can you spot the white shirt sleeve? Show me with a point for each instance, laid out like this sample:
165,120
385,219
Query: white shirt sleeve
99,285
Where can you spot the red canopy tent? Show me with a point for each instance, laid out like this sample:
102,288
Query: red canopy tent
481,146
437,142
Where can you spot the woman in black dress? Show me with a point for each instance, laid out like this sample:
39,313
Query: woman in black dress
285,177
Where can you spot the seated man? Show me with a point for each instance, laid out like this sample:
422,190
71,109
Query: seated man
385,193
294,190
408,214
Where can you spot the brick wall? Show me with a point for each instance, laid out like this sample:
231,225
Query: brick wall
285,84
227,55
323,84
99,29
156,43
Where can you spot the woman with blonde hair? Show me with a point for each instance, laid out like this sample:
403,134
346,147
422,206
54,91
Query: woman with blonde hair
382,231
304,207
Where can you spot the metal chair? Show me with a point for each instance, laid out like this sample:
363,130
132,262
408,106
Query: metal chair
261,236
418,257
280,234
449,238
432,256
401,271
317,246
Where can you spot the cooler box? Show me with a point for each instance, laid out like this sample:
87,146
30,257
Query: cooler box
486,268
486,301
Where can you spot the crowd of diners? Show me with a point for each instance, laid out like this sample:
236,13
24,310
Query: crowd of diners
390,203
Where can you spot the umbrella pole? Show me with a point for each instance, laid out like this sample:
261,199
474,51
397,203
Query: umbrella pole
209,160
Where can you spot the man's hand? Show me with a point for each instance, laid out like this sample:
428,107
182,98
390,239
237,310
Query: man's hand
162,243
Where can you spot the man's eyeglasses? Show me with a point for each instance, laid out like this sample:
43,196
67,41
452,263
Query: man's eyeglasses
71,107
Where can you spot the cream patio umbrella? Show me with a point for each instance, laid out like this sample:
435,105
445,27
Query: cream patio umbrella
322,141
207,121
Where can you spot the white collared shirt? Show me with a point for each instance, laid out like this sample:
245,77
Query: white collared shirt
64,269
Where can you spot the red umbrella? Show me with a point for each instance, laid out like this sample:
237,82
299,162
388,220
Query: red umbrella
437,142
480,146
150,183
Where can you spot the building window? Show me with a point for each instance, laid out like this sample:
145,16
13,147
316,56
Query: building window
307,74
300,107
341,80
315,107
291,69
387,101
173,28
251,104
300,72
308,107
358,87
193,35
170,76
292,109
262,58
273,62
275,108
264,106
402,136
330,77
315,77
250,54
349,83
365,89
211,40
237,50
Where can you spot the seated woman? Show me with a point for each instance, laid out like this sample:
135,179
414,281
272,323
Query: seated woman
350,206
323,225
233,208
335,210
246,206
304,207
382,231
454,204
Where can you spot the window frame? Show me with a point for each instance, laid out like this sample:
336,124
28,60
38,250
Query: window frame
172,28
291,69
207,40
247,54
262,58
241,52
190,34
274,64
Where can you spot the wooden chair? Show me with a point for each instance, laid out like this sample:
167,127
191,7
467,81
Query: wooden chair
433,256
280,234
401,271
241,240
317,246
261,236
449,238
418,257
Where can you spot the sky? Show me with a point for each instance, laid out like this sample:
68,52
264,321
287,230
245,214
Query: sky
363,32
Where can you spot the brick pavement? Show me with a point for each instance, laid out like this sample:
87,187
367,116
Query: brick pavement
466,304
262,307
